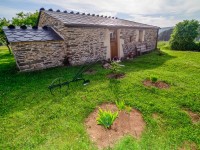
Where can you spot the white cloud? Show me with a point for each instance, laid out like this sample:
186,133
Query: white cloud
10,12
127,6
155,12
158,21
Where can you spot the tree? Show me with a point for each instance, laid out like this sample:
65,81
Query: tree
198,37
184,34
3,22
21,18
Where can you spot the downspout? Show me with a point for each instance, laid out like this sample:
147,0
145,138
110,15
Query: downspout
7,44
41,9
157,38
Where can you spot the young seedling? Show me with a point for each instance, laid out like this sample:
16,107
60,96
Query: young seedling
115,67
120,105
128,109
106,118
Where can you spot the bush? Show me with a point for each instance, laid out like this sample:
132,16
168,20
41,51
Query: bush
198,46
184,34
154,79
106,118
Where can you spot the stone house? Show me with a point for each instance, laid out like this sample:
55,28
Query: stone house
77,37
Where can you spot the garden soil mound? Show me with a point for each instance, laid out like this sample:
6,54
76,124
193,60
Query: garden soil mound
158,84
116,76
127,123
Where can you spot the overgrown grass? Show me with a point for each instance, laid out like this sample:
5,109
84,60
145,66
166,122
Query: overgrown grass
31,118
164,44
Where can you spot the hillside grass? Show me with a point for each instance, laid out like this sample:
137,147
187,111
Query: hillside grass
31,118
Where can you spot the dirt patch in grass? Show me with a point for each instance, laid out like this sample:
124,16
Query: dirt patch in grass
127,123
188,145
158,84
155,116
116,76
160,122
90,72
195,117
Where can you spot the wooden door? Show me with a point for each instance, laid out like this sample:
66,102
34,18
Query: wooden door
113,44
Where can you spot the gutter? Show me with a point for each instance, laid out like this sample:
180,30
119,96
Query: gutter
108,26
38,18
157,38
7,43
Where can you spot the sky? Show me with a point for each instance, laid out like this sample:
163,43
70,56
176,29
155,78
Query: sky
162,13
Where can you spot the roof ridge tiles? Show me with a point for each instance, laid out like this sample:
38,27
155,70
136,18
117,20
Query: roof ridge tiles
77,13
70,18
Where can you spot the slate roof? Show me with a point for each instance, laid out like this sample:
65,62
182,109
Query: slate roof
30,34
74,19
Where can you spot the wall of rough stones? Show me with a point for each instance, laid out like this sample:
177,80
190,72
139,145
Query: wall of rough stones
85,44
79,43
46,19
149,43
150,38
58,26
38,55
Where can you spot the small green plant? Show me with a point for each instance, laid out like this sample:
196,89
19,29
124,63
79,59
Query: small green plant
154,79
128,109
106,118
115,67
120,105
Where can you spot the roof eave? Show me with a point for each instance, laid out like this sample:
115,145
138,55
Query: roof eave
36,41
109,26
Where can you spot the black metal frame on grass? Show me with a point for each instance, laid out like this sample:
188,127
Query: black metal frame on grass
78,76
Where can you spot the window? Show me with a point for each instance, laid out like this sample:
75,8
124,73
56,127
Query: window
141,36
112,35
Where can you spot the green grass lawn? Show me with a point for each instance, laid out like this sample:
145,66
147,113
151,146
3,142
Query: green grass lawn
31,118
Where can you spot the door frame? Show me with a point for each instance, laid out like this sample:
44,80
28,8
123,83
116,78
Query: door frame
116,43
120,43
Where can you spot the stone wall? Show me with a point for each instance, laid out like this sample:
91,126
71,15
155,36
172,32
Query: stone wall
150,38
85,44
58,26
131,43
80,43
38,55
46,19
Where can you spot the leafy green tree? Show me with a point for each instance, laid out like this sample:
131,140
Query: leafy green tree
184,34
198,37
3,22
20,19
